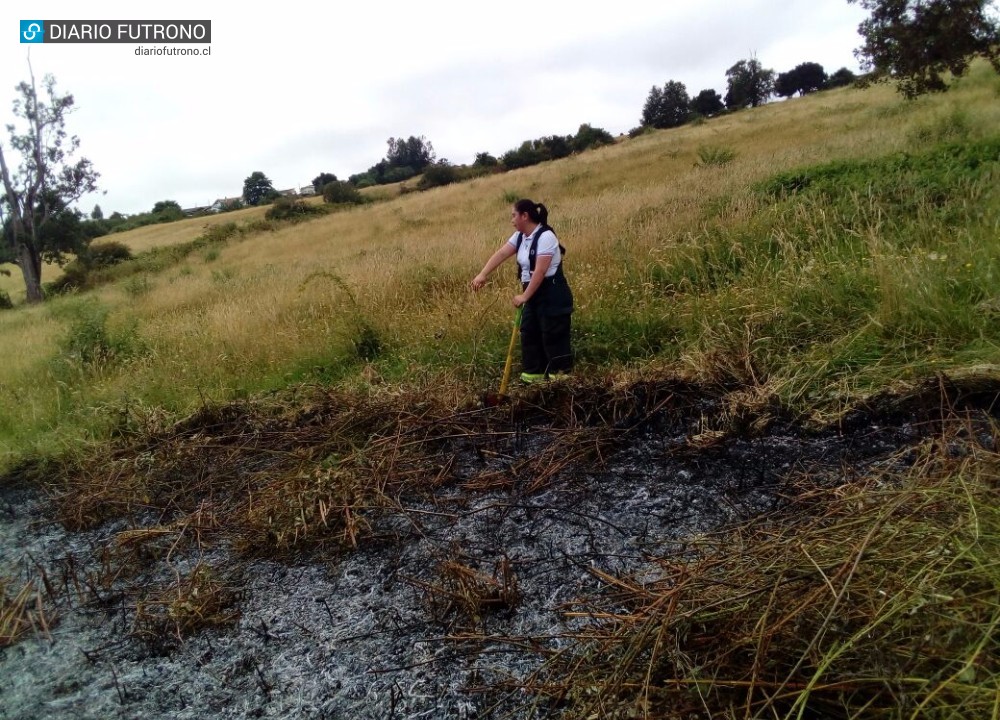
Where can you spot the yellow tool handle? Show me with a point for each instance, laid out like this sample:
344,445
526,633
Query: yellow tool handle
510,352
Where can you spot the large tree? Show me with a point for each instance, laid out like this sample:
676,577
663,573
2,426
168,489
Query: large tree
804,78
46,180
257,189
320,181
707,103
666,107
917,41
841,78
415,153
749,84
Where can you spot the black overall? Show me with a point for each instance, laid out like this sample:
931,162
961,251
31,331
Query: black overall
545,320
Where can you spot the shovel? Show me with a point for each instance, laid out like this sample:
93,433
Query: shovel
492,400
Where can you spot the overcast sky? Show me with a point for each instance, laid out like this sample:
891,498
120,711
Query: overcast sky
298,88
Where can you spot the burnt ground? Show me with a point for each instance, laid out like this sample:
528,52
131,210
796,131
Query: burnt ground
388,630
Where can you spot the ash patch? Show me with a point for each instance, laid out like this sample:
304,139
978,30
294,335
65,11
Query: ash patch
382,631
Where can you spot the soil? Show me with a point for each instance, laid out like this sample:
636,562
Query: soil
384,631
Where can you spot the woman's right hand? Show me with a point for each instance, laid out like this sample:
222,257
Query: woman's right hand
478,281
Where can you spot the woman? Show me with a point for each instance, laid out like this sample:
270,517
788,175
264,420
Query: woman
545,294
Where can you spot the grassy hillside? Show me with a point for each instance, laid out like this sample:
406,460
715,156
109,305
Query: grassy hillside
811,250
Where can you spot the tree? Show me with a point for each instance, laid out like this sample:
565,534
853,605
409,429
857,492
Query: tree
61,235
668,107
97,213
840,78
437,174
484,159
802,79
257,189
415,153
749,84
917,41
39,190
322,179
707,103
588,136
342,193
165,211
167,206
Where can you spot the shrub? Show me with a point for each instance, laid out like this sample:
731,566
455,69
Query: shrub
219,233
588,137
340,193
484,159
397,174
230,204
437,175
105,255
367,345
74,277
841,78
138,285
90,344
286,208
532,152
715,155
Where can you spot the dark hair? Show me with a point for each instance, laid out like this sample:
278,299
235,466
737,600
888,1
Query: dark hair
536,211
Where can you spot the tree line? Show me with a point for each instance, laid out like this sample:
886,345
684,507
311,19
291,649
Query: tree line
749,84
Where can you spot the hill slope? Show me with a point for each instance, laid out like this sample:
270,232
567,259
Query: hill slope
677,257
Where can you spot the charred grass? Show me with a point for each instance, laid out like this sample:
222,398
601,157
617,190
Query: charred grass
867,593
873,597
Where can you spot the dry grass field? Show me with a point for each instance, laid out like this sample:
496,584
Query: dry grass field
378,294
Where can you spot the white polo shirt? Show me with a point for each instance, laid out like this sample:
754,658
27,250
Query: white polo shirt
548,245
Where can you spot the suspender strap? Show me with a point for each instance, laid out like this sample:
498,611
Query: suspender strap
534,245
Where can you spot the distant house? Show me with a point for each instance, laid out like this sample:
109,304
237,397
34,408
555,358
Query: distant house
226,203
290,192
307,190
199,210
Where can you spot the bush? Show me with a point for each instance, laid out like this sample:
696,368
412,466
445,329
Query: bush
74,277
219,233
138,285
484,159
286,208
437,175
90,344
339,193
715,155
841,78
105,255
589,137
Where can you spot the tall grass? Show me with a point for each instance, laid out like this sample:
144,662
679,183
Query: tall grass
878,268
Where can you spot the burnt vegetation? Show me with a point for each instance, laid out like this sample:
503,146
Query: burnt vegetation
816,554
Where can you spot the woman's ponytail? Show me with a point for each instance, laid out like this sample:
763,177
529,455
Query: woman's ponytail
543,215
537,212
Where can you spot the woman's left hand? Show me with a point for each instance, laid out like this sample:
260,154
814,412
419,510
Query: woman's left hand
519,300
